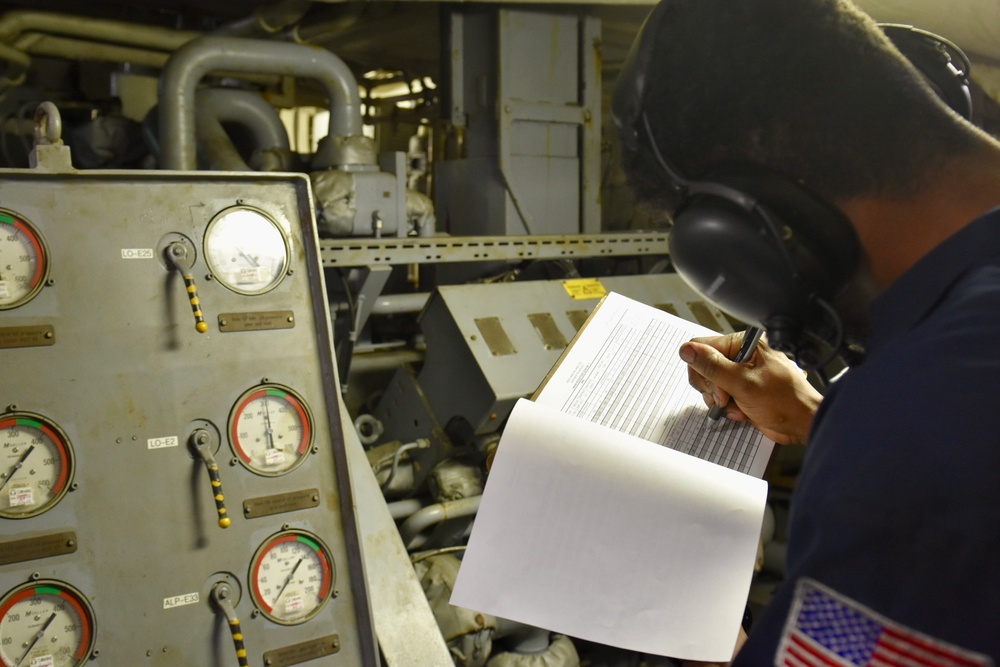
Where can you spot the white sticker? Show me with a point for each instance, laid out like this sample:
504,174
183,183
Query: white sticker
249,276
21,496
273,457
3,289
160,443
181,600
293,603
137,253
43,661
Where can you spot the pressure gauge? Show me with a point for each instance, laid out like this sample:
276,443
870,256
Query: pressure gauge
24,264
246,250
291,577
270,429
36,464
45,623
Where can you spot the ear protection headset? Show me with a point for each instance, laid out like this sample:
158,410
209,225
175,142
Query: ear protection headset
943,65
755,243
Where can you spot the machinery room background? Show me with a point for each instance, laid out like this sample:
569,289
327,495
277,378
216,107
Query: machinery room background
420,179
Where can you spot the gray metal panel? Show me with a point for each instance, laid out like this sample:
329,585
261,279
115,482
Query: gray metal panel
128,370
537,50
464,375
526,89
556,206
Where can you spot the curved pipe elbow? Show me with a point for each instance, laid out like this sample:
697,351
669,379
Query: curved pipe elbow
186,67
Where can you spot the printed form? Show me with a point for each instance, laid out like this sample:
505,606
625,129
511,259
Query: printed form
623,372
615,511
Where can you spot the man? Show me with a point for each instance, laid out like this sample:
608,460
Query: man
895,529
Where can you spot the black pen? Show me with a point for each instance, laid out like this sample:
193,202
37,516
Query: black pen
750,339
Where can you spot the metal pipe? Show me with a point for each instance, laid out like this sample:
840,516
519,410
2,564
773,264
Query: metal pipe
395,304
14,23
217,106
267,20
190,63
329,24
82,49
18,63
375,360
419,443
392,304
435,514
400,509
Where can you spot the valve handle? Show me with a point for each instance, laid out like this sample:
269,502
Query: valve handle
220,596
200,442
177,255
199,320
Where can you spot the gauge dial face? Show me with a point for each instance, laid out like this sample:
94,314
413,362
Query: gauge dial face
291,577
45,623
36,465
270,429
24,262
246,250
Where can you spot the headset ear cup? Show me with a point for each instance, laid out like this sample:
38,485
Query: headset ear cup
769,262
725,254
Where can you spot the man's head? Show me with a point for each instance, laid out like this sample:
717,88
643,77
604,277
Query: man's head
765,116
811,89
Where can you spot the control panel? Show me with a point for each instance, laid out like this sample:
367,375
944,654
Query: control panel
173,480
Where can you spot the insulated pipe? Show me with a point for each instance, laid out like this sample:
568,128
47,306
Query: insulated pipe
190,63
217,106
435,514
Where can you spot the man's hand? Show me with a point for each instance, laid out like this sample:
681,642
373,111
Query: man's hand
768,390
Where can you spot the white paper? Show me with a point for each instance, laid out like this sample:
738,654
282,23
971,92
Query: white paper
601,535
596,525
623,371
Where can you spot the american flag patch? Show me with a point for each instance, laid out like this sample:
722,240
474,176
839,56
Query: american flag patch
829,629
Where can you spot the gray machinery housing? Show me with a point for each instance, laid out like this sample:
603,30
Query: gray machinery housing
107,352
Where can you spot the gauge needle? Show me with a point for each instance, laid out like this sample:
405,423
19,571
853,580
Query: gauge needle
20,462
288,580
268,433
38,636
246,256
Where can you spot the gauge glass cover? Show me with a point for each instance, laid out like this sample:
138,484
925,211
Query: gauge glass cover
246,250
45,623
292,576
24,262
270,430
36,465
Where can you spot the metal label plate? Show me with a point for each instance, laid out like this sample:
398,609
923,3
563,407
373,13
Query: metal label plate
33,336
547,328
32,548
254,508
577,317
495,337
264,320
298,653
